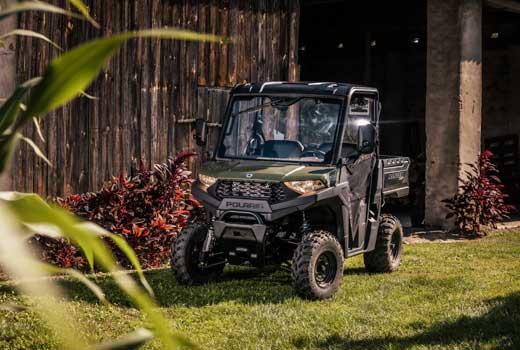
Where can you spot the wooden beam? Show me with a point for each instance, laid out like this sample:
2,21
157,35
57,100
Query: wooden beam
505,5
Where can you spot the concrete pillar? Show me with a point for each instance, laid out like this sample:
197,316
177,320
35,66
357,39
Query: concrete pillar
453,98
470,81
7,75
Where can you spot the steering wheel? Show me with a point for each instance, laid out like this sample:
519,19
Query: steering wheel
313,153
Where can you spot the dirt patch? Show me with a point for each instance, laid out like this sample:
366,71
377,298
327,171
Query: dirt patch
433,236
508,225
421,235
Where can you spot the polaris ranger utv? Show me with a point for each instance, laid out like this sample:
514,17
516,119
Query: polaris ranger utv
297,181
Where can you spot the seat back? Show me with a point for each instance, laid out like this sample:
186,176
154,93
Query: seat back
282,149
347,150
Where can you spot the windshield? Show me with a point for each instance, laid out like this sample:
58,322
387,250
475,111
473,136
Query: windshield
281,128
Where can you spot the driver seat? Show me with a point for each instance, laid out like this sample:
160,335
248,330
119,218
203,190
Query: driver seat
282,149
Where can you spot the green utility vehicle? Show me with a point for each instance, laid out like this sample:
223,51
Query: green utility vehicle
296,181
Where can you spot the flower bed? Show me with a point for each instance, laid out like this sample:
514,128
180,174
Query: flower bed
147,210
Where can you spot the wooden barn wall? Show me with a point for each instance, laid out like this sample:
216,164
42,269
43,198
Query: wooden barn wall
149,94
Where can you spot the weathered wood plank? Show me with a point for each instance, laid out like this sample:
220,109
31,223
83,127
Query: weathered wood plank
213,47
151,90
233,48
262,41
224,48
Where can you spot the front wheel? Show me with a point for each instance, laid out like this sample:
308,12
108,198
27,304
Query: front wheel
186,264
317,266
386,257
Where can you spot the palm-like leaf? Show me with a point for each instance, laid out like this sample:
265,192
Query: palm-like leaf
84,11
31,34
35,6
65,78
31,211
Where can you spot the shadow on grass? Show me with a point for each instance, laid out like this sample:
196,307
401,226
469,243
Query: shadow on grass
244,285
352,271
499,328
237,284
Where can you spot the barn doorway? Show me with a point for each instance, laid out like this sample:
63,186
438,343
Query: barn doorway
375,43
501,91
379,44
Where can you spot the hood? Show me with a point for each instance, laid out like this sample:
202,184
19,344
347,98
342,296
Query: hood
266,171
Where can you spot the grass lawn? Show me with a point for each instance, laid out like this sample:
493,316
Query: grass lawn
463,295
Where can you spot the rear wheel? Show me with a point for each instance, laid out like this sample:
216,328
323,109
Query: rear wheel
317,266
186,264
386,257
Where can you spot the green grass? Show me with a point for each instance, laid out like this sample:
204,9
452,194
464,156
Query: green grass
463,295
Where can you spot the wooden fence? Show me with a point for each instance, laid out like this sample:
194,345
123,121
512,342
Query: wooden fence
149,94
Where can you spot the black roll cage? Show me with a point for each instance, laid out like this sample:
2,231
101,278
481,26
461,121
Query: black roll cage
340,130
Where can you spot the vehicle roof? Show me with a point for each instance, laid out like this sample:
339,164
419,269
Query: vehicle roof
304,88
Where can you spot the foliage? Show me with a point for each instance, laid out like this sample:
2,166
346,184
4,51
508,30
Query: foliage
147,210
480,201
24,214
58,251
461,295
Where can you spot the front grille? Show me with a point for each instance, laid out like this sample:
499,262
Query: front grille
269,191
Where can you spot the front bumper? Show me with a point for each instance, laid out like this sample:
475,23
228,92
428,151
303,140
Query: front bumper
242,226
268,212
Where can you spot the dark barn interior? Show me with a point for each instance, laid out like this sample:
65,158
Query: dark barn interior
383,44
380,44
501,94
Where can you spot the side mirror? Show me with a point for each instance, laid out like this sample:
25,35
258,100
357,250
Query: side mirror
366,139
201,132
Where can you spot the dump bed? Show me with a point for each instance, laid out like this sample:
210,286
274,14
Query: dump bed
395,179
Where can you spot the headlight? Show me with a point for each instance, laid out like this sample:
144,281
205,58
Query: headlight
207,180
304,187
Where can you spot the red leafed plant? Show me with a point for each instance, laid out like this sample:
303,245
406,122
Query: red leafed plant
59,252
147,210
481,201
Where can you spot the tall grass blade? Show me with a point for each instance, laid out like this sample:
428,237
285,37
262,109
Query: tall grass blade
35,148
32,210
94,288
12,307
84,11
35,6
10,109
38,128
30,33
18,262
132,257
131,341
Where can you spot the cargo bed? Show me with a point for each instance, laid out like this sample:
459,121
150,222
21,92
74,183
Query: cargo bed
395,179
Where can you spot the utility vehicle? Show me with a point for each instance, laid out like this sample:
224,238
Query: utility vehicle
296,181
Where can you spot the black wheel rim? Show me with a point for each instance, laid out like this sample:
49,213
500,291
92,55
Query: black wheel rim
395,244
325,269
